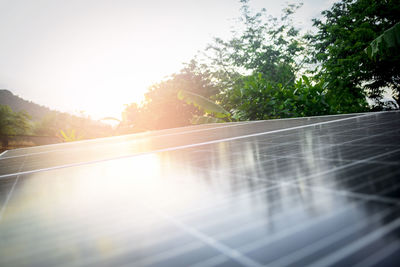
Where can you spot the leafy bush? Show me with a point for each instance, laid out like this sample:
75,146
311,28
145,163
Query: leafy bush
258,98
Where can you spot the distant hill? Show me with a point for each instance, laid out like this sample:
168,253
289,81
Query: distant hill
16,103
47,122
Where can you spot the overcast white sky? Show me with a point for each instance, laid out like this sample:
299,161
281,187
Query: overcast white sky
97,55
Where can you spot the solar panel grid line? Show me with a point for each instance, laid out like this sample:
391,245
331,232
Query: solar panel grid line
190,126
344,134
206,225
341,253
336,160
380,255
122,138
335,182
3,153
122,141
367,160
220,202
333,145
328,240
212,242
245,228
270,146
68,227
226,234
35,252
309,249
261,222
46,251
220,220
162,135
271,205
356,195
383,199
163,256
9,195
345,192
215,261
364,171
333,137
203,239
22,230
108,144
376,124
228,197
379,179
350,153
186,146
349,141
59,150
200,160
263,242
375,142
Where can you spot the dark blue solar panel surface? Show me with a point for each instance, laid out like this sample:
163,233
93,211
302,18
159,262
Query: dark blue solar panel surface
320,191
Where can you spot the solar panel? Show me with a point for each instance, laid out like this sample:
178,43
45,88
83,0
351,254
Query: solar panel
318,191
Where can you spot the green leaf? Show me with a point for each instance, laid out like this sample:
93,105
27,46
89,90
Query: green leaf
203,103
306,80
384,43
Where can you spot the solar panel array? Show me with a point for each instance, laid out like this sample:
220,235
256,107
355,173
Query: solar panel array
320,191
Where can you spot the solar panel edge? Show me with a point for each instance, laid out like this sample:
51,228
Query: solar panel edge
190,145
186,127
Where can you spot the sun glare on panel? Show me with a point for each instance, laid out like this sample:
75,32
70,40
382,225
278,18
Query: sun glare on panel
120,188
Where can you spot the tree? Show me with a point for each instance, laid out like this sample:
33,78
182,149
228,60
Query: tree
162,108
54,123
261,44
342,35
12,123
259,62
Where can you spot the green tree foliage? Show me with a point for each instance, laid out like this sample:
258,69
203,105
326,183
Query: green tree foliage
162,108
256,69
259,44
13,123
258,98
343,33
385,45
258,73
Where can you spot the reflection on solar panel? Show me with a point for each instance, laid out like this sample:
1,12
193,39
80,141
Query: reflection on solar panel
320,191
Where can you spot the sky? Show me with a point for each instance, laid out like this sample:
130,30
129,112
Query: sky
96,56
